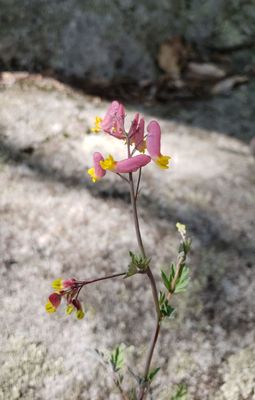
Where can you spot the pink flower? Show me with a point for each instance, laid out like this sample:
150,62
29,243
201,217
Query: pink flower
69,283
68,289
53,303
97,172
61,285
153,145
113,121
55,299
136,134
133,126
131,164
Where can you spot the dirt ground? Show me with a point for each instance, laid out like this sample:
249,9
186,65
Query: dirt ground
56,223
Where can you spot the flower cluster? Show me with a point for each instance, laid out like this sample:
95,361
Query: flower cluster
113,124
68,289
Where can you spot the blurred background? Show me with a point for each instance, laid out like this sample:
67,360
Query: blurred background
190,65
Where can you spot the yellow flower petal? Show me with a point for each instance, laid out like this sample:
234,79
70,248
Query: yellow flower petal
69,309
50,308
108,163
58,285
97,127
162,162
80,314
92,174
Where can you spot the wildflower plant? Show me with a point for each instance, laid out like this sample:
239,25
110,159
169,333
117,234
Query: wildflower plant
174,280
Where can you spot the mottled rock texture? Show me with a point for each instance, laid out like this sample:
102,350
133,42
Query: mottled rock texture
55,222
101,40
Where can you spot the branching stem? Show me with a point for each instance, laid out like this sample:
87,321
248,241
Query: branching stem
123,177
86,282
138,183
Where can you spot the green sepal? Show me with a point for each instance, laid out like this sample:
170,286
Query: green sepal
138,264
132,270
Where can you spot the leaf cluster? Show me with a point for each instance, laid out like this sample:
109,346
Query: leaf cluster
181,282
137,265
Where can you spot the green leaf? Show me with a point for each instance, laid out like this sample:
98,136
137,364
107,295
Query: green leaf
172,273
167,311
152,374
165,280
181,393
117,358
162,297
165,308
183,280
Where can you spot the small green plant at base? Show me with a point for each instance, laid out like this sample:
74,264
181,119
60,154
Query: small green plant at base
181,393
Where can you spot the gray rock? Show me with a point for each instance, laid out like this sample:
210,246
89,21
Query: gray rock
56,223
102,40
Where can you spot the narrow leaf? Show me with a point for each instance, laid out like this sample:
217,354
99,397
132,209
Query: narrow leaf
165,280
152,374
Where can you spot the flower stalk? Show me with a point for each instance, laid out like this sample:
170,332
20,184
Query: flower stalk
135,140
150,275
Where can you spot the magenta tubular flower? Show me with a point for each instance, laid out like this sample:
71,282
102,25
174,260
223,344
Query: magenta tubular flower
140,143
133,127
131,164
53,303
153,145
55,299
68,283
79,310
97,172
113,122
136,134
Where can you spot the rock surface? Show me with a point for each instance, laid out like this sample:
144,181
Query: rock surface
101,40
56,223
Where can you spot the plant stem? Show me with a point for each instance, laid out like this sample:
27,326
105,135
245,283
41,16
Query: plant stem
178,271
138,183
135,215
122,177
83,283
118,385
133,197
153,287
144,385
